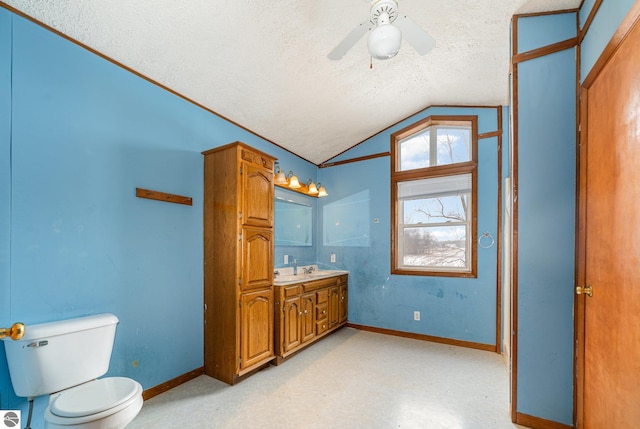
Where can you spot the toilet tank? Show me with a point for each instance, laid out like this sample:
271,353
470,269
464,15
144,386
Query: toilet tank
57,355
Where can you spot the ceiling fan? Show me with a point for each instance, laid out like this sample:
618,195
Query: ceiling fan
389,28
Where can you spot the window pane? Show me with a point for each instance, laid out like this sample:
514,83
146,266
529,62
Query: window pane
436,210
434,247
434,186
414,151
453,145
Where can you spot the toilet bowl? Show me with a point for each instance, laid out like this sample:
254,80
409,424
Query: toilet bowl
105,403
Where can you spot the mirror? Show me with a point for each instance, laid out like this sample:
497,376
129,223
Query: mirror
293,223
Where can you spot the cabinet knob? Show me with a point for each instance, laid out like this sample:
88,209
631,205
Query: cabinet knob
300,314
324,311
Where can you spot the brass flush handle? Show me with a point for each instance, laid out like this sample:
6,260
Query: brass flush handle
587,290
16,331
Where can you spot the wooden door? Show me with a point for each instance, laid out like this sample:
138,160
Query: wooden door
257,258
257,196
291,320
608,322
308,323
256,336
344,304
334,306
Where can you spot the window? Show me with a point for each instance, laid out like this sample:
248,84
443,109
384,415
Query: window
433,192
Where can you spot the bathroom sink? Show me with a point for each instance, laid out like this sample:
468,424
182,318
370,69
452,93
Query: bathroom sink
316,274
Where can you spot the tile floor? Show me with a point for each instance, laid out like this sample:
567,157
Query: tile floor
352,379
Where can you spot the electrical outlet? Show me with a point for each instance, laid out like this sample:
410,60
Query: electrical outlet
416,315
333,258
286,259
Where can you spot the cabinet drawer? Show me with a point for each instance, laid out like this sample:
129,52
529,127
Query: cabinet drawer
322,311
322,283
322,296
291,291
322,326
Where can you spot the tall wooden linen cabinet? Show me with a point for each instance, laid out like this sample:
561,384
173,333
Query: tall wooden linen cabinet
238,261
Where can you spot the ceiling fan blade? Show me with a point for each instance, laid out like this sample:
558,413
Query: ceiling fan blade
348,42
414,35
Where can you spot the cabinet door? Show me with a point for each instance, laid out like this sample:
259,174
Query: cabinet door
344,304
257,195
291,320
257,258
334,306
256,333
308,328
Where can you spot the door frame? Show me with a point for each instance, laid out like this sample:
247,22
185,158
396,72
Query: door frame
632,18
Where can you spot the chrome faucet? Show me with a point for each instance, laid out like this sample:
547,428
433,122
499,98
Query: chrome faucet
295,267
276,273
308,270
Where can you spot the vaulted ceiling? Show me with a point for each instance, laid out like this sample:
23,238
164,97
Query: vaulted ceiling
263,64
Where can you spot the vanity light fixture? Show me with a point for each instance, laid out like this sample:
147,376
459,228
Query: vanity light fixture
293,180
291,183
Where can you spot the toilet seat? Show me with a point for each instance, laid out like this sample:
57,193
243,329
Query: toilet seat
95,400
93,397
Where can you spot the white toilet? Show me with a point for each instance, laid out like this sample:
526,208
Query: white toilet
64,359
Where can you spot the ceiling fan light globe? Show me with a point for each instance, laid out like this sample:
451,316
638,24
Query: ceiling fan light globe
384,41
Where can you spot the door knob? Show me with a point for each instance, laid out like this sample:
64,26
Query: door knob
587,290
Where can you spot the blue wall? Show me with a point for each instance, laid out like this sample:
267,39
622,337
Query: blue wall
78,134
608,18
546,223
546,236
546,220
456,308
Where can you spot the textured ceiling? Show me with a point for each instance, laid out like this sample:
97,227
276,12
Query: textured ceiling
264,65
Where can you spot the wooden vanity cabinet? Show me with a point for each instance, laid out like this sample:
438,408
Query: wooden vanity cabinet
307,311
238,261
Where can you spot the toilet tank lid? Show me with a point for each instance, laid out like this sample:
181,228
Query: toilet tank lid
52,329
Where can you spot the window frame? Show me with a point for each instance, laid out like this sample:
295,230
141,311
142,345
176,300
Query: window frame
467,167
